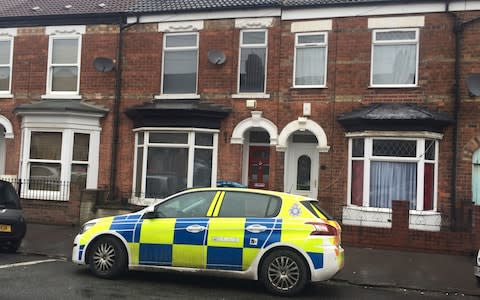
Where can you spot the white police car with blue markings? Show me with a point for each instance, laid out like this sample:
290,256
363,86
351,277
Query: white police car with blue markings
283,240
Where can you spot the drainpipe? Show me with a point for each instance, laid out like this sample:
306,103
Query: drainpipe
123,25
458,30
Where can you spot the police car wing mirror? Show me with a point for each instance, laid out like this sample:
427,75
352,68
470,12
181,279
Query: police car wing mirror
149,212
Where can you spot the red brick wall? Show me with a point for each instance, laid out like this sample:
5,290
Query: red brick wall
348,77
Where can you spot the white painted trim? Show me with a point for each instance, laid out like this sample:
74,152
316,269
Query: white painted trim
9,38
5,96
8,127
63,94
65,30
302,124
253,23
396,134
381,218
415,42
419,160
256,121
311,45
207,15
8,32
190,145
257,46
366,10
176,49
177,96
250,96
309,26
2,155
396,22
67,125
181,26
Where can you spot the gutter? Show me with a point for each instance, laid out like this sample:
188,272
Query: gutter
116,107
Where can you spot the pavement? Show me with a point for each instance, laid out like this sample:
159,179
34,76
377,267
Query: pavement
448,274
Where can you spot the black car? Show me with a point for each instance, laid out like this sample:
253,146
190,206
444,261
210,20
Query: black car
12,223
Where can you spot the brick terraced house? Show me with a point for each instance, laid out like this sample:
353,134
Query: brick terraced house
356,103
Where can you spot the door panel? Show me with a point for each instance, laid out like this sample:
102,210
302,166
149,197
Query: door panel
259,167
176,235
301,171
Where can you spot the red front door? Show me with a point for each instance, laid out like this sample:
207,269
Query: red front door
258,167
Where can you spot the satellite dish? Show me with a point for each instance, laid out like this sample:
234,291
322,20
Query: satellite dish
473,84
103,64
216,57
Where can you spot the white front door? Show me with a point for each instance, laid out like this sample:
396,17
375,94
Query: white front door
301,169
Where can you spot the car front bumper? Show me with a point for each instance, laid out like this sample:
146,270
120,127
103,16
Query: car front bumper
78,253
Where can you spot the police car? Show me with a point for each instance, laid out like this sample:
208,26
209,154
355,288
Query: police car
281,239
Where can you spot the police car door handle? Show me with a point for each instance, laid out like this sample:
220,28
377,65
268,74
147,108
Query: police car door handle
195,228
256,228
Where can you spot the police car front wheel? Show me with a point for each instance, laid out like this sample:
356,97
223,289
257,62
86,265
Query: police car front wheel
107,257
284,272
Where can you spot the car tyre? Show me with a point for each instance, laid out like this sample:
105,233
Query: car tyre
13,246
107,258
284,272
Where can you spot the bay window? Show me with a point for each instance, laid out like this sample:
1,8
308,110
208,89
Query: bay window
385,169
168,161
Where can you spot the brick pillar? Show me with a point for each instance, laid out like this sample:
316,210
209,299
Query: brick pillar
400,221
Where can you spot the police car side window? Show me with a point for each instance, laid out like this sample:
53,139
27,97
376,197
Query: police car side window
238,204
186,205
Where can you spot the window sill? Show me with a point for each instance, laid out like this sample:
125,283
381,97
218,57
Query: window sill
6,96
251,96
306,87
177,96
62,96
409,86
44,195
382,218
142,201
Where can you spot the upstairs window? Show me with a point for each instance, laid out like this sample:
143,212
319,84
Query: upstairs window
180,60
64,65
310,59
252,66
6,53
395,58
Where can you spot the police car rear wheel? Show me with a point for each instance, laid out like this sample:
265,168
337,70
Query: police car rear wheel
284,272
107,258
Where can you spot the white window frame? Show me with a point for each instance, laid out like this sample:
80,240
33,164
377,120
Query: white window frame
395,42
38,124
310,45
261,94
381,217
63,94
191,133
8,93
173,49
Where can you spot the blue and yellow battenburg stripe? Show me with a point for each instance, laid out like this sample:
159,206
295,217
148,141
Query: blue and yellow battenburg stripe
215,243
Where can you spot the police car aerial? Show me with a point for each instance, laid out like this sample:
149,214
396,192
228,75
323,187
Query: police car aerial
283,240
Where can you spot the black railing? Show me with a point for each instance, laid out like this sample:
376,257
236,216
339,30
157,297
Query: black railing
41,189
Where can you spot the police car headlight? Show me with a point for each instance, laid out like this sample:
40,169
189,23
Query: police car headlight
86,227
478,258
